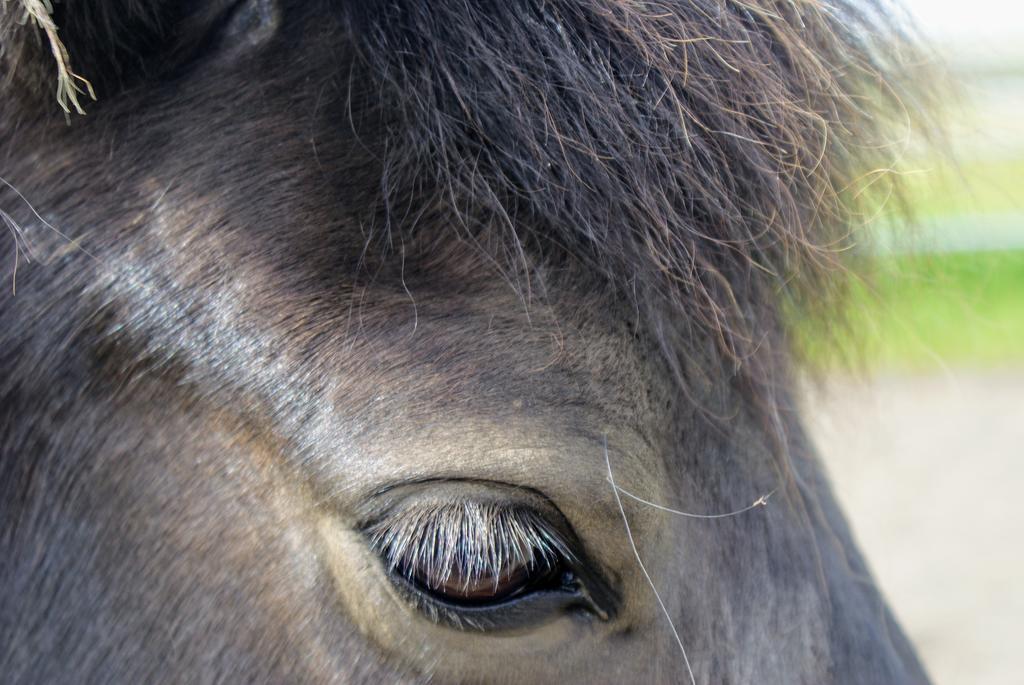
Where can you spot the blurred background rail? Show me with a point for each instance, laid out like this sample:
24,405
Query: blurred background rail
926,450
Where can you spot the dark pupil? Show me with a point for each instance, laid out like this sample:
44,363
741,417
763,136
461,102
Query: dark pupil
460,587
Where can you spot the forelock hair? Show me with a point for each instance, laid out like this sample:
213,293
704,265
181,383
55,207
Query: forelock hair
711,159
708,160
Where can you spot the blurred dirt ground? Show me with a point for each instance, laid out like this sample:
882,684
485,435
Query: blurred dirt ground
930,470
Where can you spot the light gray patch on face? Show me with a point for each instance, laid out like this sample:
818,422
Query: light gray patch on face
251,24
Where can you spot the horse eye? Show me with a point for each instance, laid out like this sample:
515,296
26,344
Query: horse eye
484,565
462,586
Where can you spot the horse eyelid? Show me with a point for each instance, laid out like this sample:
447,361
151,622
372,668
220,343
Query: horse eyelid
480,540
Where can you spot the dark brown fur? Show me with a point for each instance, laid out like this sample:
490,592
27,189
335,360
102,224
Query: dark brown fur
382,214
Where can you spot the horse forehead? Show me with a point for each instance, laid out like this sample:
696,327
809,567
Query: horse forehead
442,366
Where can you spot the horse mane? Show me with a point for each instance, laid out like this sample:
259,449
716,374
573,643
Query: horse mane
711,159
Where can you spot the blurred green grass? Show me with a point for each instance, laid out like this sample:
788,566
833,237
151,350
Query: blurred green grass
948,291
928,311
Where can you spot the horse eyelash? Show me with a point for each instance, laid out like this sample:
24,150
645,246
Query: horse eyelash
476,540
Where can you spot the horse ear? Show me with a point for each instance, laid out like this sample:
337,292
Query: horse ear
28,35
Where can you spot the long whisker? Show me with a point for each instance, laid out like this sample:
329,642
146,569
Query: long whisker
47,224
761,501
636,553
